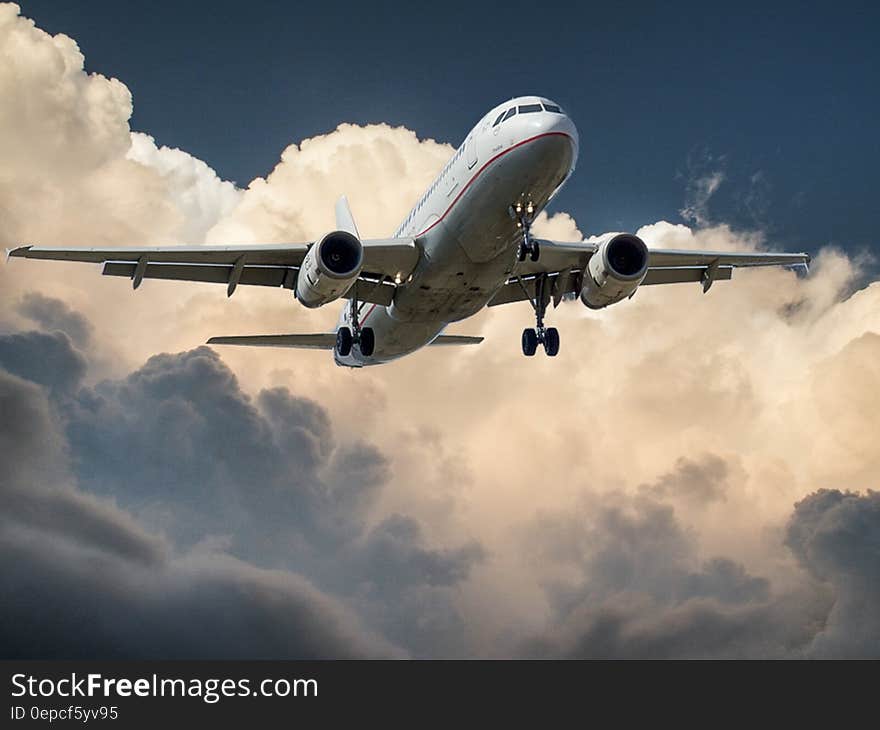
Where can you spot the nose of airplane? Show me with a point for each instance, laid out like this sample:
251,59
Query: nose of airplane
552,120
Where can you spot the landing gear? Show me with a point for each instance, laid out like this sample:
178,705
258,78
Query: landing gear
546,336
367,341
529,342
524,216
363,337
344,341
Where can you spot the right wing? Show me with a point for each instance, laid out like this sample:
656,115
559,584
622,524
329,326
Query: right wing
385,260
564,264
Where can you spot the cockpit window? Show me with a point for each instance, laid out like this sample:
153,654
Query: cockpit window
526,108
510,113
500,117
552,108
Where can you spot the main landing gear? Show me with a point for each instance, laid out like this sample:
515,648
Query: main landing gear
363,337
546,336
524,215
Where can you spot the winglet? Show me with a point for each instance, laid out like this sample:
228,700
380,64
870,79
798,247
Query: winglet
20,251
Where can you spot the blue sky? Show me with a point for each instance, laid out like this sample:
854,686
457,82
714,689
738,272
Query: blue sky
780,98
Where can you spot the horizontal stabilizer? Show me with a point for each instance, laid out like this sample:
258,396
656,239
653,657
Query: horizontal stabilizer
457,340
323,341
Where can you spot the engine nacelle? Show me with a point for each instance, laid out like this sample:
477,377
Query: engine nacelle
329,269
615,271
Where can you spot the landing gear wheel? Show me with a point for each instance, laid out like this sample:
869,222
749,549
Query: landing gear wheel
529,342
521,253
367,341
344,341
535,252
551,341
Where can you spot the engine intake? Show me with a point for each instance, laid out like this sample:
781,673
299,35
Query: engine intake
329,269
615,271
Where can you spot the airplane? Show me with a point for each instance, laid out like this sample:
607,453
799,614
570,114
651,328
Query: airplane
464,245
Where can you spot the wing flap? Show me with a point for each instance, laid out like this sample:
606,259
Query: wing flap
258,275
373,292
682,274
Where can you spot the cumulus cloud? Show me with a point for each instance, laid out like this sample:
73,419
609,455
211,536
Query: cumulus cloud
81,578
632,497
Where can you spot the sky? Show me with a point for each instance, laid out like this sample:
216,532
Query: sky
694,476
780,100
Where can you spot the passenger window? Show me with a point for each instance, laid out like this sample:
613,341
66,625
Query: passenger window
498,121
510,113
527,108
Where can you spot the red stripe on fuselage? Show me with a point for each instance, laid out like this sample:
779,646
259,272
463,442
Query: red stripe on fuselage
464,189
479,172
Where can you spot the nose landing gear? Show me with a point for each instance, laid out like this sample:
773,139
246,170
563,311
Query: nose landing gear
363,337
546,336
524,214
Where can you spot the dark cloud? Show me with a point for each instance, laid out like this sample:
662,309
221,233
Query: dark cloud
836,537
54,315
116,499
395,555
65,600
47,359
82,579
702,480
644,593
639,626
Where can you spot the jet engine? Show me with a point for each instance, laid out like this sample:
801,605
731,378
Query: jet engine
329,269
615,271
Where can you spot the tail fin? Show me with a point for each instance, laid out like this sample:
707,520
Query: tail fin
344,218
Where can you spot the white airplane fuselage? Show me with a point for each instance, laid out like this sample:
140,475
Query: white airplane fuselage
467,238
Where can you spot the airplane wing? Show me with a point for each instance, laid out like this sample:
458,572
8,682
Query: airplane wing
564,264
263,265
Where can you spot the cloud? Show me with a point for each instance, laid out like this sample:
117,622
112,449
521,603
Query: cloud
632,497
835,535
283,504
48,359
55,315
642,592
83,579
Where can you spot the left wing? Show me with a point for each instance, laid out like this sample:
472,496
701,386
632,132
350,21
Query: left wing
564,265
261,265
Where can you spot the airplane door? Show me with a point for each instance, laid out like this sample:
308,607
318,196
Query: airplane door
472,151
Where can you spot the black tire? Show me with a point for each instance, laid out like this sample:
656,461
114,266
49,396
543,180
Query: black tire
536,251
551,342
368,341
529,342
344,341
521,253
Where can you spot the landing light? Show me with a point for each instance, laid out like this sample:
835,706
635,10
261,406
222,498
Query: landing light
398,278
